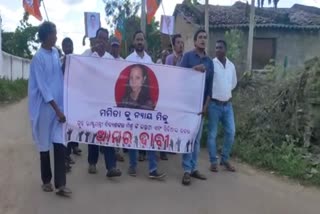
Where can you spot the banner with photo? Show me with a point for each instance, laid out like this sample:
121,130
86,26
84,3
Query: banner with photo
136,106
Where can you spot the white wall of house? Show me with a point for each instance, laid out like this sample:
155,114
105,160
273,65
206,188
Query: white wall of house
14,67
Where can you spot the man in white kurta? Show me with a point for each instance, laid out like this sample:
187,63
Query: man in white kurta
45,92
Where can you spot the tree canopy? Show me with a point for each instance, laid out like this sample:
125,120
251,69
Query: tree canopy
22,41
125,11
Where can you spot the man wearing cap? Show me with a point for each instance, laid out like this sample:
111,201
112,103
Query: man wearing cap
115,52
115,48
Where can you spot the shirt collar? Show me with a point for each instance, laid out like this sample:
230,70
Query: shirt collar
137,55
217,60
196,53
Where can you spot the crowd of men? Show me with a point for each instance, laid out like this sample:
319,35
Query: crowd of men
46,106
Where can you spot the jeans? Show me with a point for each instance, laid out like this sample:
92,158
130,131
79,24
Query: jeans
59,166
152,158
224,114
109,156
190,160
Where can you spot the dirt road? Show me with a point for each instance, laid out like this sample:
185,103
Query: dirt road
245,192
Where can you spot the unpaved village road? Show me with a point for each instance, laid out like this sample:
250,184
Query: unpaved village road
246,192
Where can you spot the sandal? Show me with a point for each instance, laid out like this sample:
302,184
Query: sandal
186,179
198,175
114,173
47,187
119,157
228,166
64,191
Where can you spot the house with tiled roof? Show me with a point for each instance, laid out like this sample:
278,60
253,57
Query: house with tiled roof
283,34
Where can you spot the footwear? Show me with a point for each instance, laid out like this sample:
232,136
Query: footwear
101,149
164,157
141,158
196,174
69,160
64,191
92,169
228,166
214,167
156,175
47,187
77,151
132,172
186,179
68,167
114,173
119,157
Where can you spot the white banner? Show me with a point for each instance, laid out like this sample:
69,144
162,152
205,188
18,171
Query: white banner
135,106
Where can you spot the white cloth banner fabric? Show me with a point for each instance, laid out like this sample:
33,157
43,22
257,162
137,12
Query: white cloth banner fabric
167,24
136,106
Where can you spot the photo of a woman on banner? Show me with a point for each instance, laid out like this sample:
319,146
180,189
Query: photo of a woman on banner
137,92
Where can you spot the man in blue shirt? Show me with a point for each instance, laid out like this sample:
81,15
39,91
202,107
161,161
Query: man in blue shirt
198,60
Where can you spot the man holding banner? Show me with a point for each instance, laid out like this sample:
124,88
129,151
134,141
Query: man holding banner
99,49
199,61
45,92
139,55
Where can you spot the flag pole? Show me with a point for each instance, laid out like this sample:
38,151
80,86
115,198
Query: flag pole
45,10
143,16
164,13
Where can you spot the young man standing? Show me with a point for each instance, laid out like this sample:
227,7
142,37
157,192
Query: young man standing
115,52
140,56
174,59
102,35
115,48
199,61
220,107
178,48
67,48
45,92
99,50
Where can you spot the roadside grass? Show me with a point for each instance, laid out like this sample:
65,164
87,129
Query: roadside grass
12,91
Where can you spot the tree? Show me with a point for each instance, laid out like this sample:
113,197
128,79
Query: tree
22,41
194,2
126,12
116,8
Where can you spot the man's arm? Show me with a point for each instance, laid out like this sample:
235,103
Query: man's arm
208,87
168,58
234,78
40,76
184,61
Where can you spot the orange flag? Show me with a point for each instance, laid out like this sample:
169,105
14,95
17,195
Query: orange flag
118,35
33,8
152,7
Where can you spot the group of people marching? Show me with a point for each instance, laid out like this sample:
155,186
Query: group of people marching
47,116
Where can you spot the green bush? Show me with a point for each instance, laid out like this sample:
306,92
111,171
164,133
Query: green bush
277,122
11,91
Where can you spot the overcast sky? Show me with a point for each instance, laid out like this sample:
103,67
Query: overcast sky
69,18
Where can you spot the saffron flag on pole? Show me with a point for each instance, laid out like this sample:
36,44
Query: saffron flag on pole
33,8
152,7
120,31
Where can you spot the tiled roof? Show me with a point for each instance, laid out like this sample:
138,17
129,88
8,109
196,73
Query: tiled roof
237,15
